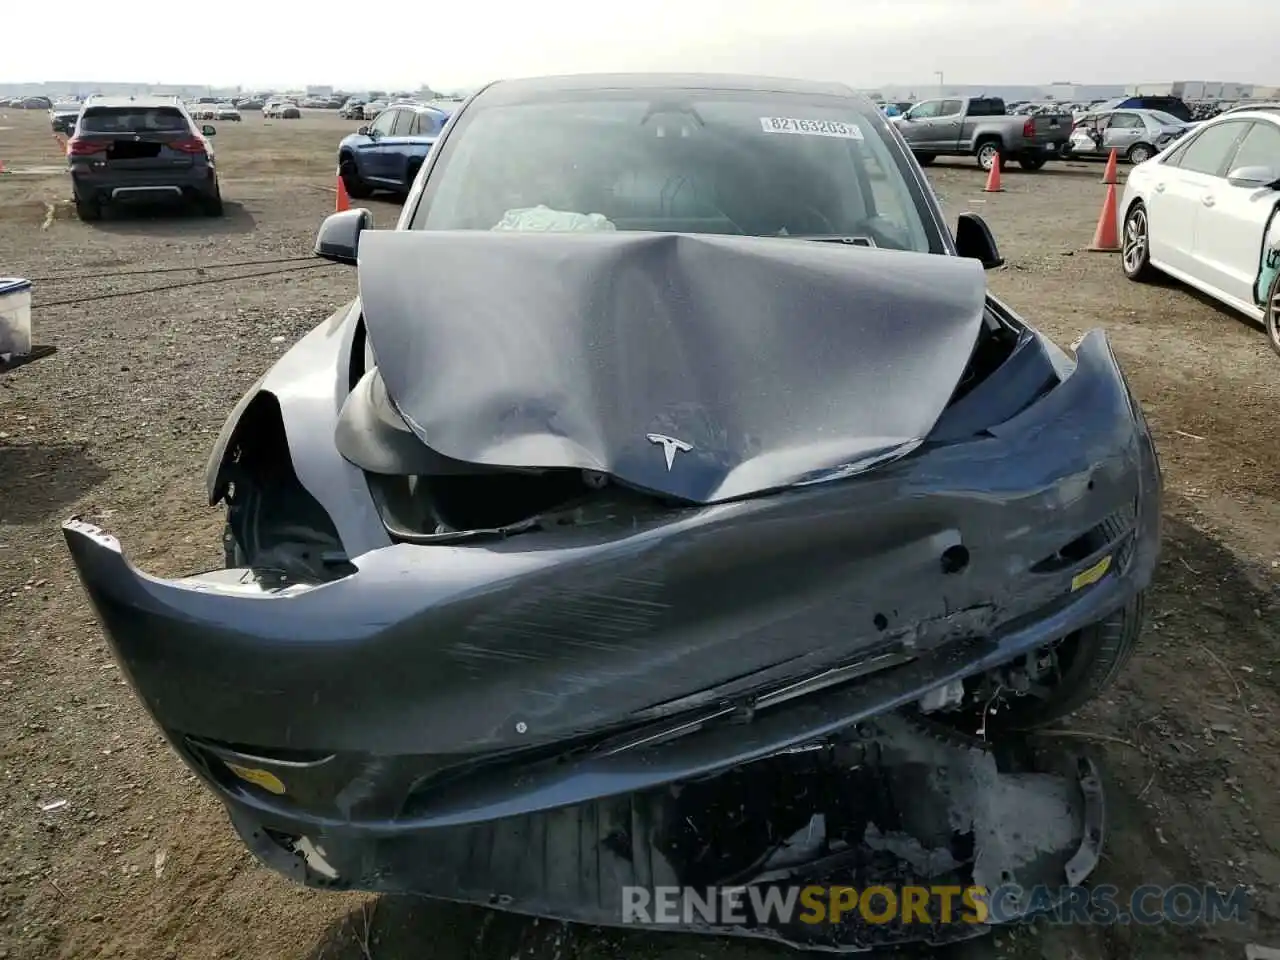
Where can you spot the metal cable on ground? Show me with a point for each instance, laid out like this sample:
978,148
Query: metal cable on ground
150,270
176,286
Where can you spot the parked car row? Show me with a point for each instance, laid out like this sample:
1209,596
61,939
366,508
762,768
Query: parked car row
216,111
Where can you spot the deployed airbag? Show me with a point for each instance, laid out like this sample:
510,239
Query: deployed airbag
700,367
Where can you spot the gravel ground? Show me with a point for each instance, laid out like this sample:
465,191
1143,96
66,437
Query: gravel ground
141,863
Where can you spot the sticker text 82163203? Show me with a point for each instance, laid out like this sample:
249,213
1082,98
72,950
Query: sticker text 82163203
811,128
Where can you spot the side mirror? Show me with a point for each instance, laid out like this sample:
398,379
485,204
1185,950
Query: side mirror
364,131
339,236
974,241
1256,177
207,130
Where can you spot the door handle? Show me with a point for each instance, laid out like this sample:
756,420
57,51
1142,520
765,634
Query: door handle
1207,201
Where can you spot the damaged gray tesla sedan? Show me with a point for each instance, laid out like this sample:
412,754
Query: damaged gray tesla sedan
673,506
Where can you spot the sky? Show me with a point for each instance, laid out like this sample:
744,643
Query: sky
406,43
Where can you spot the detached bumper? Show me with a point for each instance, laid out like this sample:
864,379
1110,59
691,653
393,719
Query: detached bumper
452,685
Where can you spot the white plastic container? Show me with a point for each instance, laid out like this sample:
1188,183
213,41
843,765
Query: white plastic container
15,317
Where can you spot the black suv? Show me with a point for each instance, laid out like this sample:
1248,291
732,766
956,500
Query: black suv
142,149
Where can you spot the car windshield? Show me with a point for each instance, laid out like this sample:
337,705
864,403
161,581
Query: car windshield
1168,119
758,164
132,120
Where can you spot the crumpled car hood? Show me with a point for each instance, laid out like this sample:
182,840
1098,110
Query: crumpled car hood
699,367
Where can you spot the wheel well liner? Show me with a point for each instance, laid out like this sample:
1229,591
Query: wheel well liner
267,505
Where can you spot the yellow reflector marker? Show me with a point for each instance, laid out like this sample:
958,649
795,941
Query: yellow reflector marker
263,778
1084,577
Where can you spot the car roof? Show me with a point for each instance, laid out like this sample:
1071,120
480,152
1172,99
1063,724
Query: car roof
1271,113
1261,105
529,88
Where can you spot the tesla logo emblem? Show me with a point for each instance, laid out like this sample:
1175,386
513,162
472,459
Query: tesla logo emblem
670,446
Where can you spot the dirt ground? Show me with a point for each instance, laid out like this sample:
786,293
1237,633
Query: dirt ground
140,863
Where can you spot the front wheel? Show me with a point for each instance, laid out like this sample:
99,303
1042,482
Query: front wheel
1135,245
356,188
1032,164
926,159
1140,153
1074,670
1271,317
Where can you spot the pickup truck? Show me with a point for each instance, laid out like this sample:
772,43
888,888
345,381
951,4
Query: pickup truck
981,127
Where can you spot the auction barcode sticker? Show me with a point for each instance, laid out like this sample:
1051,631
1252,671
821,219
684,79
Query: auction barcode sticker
811,128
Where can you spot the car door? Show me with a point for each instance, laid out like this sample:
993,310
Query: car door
399,146
917,125
374,160
945,128
1178,187
1232,219
1124,130
1085,136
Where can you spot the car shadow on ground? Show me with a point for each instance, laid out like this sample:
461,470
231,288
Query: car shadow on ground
39,479
1220,309
175,220
1204,598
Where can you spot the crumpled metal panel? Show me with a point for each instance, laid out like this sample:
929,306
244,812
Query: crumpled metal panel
703,367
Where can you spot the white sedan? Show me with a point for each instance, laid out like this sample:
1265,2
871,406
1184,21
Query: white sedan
1205,212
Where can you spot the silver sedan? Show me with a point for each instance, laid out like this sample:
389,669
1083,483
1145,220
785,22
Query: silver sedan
1136,135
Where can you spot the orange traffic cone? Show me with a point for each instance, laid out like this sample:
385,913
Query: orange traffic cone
1,166
344,201
1105,236
1109,174
993,178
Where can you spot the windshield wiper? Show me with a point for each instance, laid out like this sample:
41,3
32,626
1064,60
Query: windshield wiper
832,238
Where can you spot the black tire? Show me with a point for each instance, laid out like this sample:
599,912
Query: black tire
411,174
1271,314
212,206
357,189
1032,164
986,151
1090,660
926,159
1135,245
1140,153
88,210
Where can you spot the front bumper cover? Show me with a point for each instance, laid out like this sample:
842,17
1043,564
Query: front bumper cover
443,689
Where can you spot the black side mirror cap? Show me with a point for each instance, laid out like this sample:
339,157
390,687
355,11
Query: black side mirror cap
338,238
975,241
